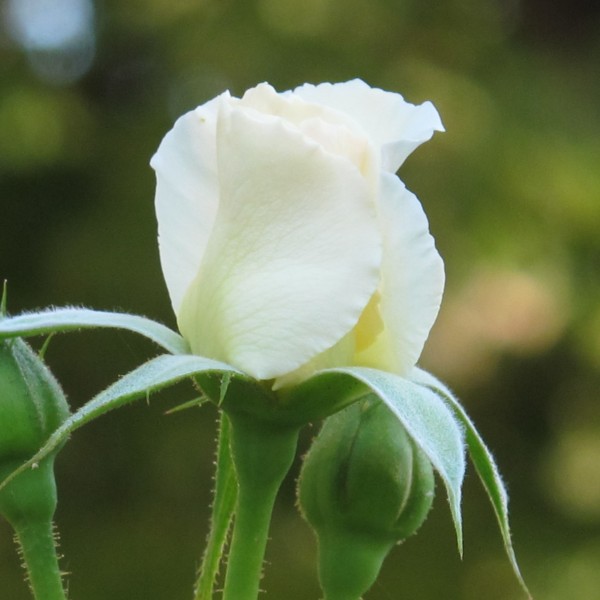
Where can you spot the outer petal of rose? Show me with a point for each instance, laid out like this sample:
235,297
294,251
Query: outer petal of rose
186,195
294,254
393,124
412,281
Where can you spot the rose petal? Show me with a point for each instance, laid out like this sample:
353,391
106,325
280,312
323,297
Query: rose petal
412,282
394,125
186,195
334,131
294,253
341,353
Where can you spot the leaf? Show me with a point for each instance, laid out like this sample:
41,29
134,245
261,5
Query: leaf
152,376
484,464
429,422
72,318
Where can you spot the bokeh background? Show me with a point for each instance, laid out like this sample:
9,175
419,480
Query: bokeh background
512,191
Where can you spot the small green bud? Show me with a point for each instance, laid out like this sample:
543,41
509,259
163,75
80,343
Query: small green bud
364,487
32,406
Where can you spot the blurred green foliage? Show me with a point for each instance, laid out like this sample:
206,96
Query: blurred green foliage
512,191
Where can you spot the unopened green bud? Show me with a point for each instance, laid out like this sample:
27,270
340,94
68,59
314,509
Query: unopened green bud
32,406
364,487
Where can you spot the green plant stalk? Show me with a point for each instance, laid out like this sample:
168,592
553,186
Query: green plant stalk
244,568
262,455
38,547
222,514
357,568
29,503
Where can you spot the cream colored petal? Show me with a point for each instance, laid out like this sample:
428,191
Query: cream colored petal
394,125
334,131
294,255
186,195
264,99
412,282
289,107
340,354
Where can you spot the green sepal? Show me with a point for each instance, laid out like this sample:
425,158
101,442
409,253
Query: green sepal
57,320
424,415
154,375
4,299
484,463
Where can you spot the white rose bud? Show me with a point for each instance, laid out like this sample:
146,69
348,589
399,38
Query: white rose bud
286,240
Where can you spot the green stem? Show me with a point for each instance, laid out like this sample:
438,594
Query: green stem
244,568
349,563
39,553
262,454
28,503
222,513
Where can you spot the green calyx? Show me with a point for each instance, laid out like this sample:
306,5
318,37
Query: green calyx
32,404
364,487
